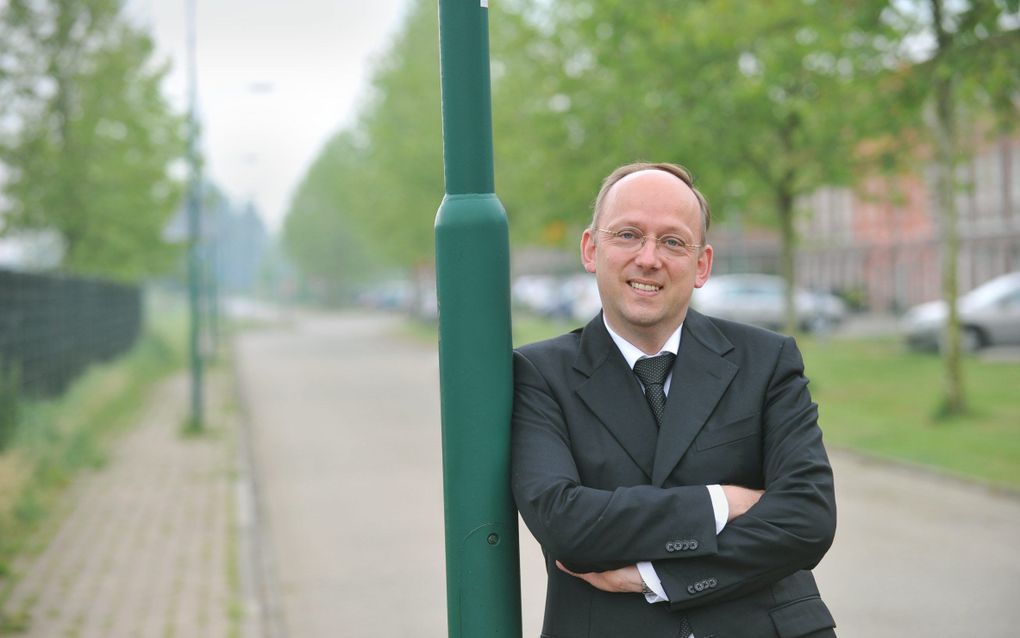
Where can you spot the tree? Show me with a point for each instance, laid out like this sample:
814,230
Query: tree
321,232
402,126
765,102
959,58
370,198
89,136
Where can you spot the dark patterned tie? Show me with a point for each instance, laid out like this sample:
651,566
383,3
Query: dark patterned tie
653,372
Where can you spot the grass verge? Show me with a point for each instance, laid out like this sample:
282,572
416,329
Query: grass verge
876,397
57,438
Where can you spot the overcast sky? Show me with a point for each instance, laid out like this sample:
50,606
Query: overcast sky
276,80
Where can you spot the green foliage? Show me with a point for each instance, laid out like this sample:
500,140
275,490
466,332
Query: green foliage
403,124
952,77
765,102
758,99
10,383
962,75
92,138
369,200
322,232
975,43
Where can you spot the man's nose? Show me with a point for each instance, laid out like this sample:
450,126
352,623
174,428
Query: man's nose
648,254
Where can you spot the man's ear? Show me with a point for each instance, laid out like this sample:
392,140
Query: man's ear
588,250
704,266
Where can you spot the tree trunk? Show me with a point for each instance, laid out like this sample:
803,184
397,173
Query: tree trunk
787,260
784,194
1006,170
954,400
65,57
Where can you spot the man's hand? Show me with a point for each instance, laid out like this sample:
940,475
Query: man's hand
623,580
740,499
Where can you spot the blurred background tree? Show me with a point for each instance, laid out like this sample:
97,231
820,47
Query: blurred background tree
322,233
760,106
957,74
764,102
363,205
768,103
88,139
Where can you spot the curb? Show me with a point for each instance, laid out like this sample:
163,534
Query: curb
259,582
928,472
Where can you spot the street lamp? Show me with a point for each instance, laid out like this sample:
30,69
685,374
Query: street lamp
473,281
196,421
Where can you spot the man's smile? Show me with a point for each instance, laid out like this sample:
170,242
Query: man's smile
644,287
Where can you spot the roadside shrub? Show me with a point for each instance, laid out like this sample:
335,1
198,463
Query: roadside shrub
10,381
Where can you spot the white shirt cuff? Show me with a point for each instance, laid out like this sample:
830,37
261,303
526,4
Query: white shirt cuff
720,507
652,580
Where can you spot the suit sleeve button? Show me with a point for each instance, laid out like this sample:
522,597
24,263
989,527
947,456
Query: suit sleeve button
691,590
670,547
694,544
712,582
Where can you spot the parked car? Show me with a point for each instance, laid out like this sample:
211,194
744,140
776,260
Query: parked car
542,295
583,292
573,297
989,316
759,299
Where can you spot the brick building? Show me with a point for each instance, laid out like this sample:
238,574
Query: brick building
878,244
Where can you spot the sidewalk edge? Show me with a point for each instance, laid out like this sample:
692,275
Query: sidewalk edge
927,471
259,583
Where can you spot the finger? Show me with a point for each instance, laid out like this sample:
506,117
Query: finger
585,577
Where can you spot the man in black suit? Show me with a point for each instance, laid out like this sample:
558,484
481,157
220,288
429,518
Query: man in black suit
703,517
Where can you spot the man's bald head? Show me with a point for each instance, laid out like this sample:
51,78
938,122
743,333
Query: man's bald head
675,170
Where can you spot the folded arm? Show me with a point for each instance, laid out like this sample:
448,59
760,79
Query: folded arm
793,524
789,529
591,529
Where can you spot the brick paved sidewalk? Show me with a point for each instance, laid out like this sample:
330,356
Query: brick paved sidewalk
148,543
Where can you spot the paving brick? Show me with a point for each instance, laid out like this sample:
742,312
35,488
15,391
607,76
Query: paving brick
142,547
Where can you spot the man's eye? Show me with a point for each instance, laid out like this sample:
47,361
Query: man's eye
627,235
673,242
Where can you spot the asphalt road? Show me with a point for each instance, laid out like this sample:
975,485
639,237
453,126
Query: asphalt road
345,430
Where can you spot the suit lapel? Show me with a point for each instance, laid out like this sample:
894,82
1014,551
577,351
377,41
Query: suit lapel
613,394
700,377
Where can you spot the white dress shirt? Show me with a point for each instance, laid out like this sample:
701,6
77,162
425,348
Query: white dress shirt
720,507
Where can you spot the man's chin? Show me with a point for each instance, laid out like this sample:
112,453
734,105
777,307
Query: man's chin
645,320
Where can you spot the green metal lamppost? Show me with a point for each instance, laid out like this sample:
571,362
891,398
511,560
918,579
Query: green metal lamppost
194,196
476,366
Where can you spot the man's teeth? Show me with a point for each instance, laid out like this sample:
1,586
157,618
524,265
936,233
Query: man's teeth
644,287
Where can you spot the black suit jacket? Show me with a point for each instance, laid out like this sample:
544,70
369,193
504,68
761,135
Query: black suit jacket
600,486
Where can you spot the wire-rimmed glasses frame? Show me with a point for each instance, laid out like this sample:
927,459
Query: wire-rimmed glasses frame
632,239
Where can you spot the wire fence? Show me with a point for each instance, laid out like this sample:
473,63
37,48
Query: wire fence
53,327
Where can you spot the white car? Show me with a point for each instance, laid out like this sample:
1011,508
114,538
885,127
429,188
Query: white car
759,299
989,316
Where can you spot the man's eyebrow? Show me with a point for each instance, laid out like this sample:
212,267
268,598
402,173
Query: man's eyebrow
670,230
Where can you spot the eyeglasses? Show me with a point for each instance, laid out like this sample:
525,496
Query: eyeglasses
632,239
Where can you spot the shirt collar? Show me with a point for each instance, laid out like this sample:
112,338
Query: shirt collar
632,353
